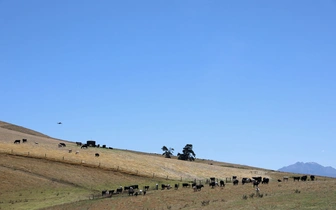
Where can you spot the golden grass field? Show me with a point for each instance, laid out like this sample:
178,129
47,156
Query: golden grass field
44,176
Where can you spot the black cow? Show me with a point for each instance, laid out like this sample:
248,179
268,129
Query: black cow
24,140
130,191
104,192
119,190
235,182
135,186
111,192
265,180
303,178
221,183
285,178
164,186
296,178
17,141
257,178
246,180
279,180
79,143
312,177
84,146
146,188
255,183
185,185
234,177
176,186
212,184
198,187
61,145
97,154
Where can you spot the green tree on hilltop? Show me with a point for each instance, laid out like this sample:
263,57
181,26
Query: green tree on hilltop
187,153
167,152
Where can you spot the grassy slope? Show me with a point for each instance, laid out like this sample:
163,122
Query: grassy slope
59,177
20,129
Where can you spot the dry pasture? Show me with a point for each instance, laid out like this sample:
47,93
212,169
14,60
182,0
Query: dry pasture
40,175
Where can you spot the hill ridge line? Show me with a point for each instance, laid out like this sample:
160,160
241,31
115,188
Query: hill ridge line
21,129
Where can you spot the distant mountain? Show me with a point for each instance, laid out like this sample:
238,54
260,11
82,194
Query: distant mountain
310,168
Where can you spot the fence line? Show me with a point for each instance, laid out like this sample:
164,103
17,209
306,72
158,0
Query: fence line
87,163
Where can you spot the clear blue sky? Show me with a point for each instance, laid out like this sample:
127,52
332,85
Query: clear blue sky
246,82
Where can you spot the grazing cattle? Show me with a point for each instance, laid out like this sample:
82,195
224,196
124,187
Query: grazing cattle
111,192
185,185
285,178
110,147
235,182
312,177
279,180
84,146
136,193
221,183
164,186
265,180
198,187
246,180
61,145
70,150
77,152
176,186
104,192
257,178
146,188
36,142
97,154
234,177
296,178
135,186
130,191
212,184
304,178
79,143
255,183
144,192
17,141
119,190
24,140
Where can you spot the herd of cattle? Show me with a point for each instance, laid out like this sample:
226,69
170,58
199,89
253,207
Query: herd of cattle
134,189
61,144
18,141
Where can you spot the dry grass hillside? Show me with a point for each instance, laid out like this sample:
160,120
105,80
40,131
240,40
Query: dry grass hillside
39,174
21,129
